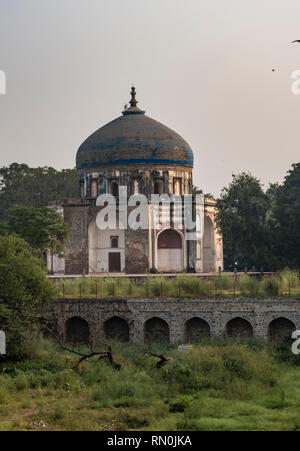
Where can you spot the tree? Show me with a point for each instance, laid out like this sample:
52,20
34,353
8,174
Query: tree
43,228
284,219
207,196
24,293
241,218
4,228
21,185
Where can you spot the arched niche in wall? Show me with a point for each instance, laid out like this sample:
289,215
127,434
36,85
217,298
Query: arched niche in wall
170,251
77,331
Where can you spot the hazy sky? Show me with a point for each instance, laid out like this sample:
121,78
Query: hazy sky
201,67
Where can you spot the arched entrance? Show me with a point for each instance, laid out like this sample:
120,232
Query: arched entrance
239,327
114,189
279,328
156,330
117,329
158,187
209,253
195,329
170,251
77,331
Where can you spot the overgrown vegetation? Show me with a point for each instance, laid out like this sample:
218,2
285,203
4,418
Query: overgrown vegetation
261,228
214,386
283,284
24,293
43,229
21,185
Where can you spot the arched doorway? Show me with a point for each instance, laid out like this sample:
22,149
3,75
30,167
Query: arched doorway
114,189
117,329
239,327
170,251
208,246
195,329
158,187
279,328
156,330
77,331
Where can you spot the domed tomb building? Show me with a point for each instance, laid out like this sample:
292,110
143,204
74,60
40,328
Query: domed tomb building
146,157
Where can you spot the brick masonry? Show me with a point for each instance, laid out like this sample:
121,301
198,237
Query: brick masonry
174,313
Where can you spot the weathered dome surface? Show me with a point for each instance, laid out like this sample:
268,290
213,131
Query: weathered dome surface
134,138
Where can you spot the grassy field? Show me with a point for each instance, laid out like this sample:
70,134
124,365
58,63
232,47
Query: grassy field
286,283
214,386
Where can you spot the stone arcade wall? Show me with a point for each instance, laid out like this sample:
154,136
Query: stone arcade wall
172,317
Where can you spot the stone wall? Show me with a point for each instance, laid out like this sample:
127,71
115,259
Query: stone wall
76,259
219,318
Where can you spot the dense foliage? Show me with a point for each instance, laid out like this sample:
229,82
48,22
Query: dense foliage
215,386
242,210
261,229
21,185
285,219
24,293
43,228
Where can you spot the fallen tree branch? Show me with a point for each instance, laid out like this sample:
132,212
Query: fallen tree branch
103,354
115,365
162,360
88,356
61,344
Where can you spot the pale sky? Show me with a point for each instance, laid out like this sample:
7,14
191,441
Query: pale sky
201,67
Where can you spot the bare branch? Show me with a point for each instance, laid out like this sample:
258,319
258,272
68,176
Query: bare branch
61,344
102,354
162,360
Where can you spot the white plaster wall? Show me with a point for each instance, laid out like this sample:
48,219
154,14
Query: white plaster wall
170,260
53,261
100,247
57,264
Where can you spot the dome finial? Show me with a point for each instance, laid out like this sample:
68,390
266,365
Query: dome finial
133,102
133,109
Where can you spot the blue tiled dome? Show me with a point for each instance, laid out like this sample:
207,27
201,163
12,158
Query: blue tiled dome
134,138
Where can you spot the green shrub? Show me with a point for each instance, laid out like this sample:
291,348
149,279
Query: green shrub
132,420
188,285
4,395
179,404
224,282
154,286
271,286
21,382
223,368
249,286
205,287
289,279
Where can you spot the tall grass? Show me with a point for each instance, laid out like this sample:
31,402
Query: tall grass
215,385
285,283
289,279
249,286
271,286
